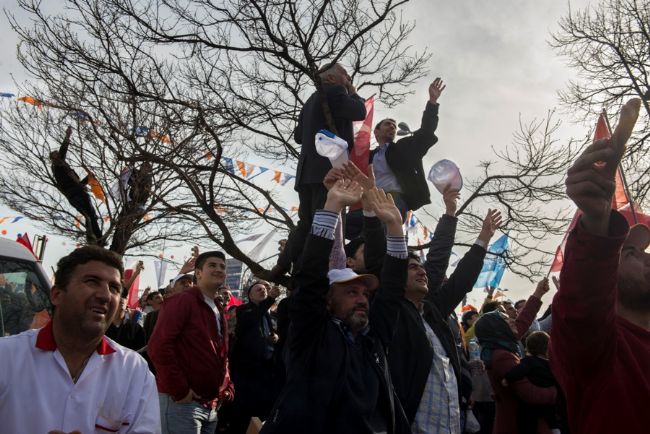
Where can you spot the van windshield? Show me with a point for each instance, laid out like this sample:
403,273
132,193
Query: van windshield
24,301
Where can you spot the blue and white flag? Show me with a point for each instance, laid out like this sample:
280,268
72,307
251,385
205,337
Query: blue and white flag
493,265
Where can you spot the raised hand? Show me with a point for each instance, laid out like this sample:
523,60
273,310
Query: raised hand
491,223
331,177
435,89
450,197
542,288
383,206
591,181
351,171
343,193
188,266
139,266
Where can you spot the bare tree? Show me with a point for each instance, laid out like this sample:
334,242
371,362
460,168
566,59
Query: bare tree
525,181
609,47
170,82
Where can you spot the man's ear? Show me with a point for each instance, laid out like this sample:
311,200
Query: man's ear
56,295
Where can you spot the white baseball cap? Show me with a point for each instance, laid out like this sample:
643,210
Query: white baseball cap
346,275
181,276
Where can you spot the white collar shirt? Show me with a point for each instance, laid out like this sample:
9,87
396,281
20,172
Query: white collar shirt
210,302
384,176
115,392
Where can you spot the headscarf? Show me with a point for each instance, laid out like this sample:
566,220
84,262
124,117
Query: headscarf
494,333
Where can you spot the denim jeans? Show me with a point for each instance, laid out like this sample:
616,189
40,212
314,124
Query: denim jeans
191,418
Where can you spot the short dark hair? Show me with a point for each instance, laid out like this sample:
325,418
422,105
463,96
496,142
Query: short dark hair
537,343
414,256
67,265
200,260
491,306
384,120
519,303
151,295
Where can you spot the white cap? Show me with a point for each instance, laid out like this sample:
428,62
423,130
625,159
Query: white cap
345,275
179,277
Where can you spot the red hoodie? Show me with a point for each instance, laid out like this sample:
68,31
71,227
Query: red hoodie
601,360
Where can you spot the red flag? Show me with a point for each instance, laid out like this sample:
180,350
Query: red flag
619,201
132,301
360,154
24,240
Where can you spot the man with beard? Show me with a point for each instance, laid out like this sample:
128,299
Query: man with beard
600,346
68,376
337,374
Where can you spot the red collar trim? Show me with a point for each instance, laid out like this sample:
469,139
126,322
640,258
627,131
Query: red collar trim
45,341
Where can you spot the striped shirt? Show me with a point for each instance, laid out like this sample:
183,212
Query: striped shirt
439,409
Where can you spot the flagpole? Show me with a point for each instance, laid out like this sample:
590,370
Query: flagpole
620,169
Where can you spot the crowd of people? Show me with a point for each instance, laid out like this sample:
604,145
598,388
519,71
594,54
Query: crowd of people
368,339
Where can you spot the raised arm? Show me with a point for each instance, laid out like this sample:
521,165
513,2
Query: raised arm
372,230
584,309
63,150
309,307
532,306
462,280
443,240
385,308
424,138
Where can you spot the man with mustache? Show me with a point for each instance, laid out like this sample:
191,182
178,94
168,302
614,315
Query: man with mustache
337,374
68,376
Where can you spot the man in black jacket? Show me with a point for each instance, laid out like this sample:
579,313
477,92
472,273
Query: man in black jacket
340,98
398,165
251,359
428,385
74,189
337,375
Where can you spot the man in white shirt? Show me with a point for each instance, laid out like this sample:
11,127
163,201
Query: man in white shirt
68,376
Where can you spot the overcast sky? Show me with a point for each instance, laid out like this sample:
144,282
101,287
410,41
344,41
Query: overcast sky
493,56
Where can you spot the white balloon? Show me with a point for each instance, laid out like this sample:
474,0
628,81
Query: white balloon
445,174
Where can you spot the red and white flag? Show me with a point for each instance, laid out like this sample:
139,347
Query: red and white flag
620,201
360,154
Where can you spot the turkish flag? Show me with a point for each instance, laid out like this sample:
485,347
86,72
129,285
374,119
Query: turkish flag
360,154
24,240
620,200
132,301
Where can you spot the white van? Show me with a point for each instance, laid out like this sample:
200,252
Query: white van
24,289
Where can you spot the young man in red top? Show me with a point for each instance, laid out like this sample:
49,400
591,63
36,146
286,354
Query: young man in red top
189,349
600,339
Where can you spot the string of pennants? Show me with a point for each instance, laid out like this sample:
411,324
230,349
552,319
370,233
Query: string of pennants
11,219
249,170
235,167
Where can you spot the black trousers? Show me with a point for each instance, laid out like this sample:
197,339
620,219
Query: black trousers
81,202
312,197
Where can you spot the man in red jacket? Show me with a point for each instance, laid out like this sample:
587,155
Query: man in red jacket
189,349
600,338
